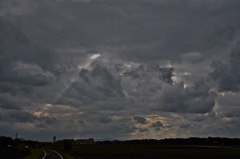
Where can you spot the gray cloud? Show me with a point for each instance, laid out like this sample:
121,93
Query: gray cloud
140,119
227,74
193,57
193,99
98,63
102,80
8,101
105,120
143,130
59,19
157,124
16,116
228,105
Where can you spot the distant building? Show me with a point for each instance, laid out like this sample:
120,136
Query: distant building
22,139
54,139
83,141
76,142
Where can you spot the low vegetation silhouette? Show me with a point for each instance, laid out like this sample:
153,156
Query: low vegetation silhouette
171,148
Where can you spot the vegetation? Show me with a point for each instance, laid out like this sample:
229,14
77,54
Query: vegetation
152,152
67,145
10,149
36,153
197,148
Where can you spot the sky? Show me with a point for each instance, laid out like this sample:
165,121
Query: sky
119,69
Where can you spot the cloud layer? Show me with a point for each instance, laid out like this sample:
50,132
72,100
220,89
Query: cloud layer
119,69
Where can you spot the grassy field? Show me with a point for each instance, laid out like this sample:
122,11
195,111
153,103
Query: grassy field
132,151
38,153
152,152
35,154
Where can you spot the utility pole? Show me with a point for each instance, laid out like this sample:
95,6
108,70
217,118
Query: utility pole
16,137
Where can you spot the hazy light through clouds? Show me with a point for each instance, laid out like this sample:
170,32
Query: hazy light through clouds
89,61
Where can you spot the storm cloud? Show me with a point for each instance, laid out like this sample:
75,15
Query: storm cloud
226,74
119,69
195,99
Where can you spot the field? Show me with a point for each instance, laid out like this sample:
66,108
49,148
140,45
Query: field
190,148
12,153
121,151
152,152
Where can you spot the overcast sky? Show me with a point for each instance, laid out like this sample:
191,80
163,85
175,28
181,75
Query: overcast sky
119,69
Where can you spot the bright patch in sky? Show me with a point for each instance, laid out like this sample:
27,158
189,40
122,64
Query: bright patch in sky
89,61
95,56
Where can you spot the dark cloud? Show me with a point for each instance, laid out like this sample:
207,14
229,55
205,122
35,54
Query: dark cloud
28,74
8,101
17,116
157,124
102,80
105,120
140,119
144,26
18,47
226,74
193,57
185,126
143,130
142,71
49,120
194,99
228,105
93,61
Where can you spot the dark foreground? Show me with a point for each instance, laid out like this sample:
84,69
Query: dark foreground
191,148
153,152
